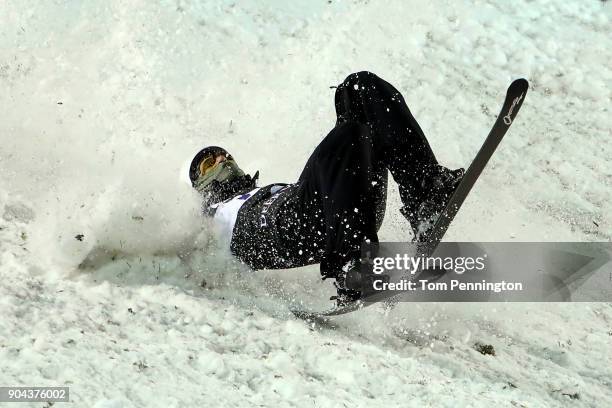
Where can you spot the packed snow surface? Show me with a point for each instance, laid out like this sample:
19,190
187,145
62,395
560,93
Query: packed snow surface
111,283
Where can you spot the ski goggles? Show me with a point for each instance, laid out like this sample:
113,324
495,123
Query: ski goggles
209,162
206,160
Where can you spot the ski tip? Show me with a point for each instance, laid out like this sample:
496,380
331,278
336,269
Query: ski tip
520,83
310,316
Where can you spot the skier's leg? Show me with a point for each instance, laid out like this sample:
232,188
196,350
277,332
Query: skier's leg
338,188
397,141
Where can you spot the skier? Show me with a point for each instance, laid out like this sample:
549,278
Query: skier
339,200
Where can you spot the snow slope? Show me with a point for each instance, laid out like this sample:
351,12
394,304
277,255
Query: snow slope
103,101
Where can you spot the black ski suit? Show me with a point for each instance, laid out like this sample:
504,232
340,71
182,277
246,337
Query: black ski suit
339,199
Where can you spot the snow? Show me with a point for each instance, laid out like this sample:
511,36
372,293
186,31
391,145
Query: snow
103,102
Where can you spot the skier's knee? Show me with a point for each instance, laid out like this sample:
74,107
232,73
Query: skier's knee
360,78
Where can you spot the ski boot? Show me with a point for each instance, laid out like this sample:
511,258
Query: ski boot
440,185
345,295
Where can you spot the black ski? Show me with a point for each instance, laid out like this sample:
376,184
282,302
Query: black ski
514,99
